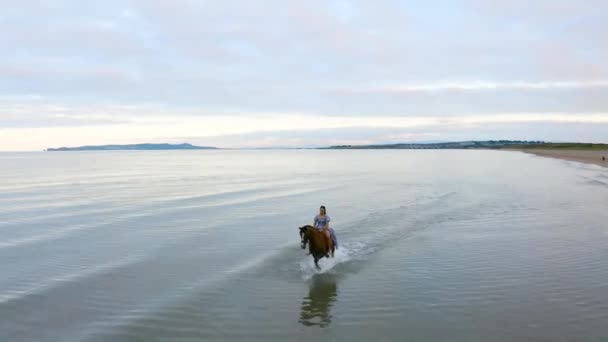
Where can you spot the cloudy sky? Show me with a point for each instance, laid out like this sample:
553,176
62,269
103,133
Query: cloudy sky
301,72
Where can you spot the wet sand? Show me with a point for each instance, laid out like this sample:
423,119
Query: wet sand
590,157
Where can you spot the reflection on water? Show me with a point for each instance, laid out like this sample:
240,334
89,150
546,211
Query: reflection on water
316,306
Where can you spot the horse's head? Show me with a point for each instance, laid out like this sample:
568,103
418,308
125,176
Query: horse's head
304,236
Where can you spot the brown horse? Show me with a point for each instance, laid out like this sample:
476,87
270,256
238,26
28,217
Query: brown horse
318,243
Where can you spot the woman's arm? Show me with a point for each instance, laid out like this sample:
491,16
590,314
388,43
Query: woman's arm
326,223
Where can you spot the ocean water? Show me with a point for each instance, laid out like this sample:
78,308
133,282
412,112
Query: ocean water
203,246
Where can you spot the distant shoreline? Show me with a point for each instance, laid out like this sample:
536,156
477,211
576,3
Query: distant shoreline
449,145
583,156
580,152
478,145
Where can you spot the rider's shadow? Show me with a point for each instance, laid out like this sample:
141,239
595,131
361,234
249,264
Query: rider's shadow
316,306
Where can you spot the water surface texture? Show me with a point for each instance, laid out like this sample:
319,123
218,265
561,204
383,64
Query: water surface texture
204,245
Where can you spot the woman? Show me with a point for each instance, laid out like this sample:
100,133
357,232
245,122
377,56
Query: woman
322,224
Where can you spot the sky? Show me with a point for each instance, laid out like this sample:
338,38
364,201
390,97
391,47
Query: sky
301,73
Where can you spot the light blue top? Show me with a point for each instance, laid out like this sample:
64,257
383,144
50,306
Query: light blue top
320,222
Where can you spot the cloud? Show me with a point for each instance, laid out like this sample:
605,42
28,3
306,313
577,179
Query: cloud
556,131
266,129
223,66
472,86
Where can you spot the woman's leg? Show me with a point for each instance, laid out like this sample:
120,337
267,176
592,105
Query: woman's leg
334,238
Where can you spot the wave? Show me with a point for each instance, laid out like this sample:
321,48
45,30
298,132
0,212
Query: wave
125,214
58,281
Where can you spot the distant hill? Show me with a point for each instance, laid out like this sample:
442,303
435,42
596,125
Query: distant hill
132,147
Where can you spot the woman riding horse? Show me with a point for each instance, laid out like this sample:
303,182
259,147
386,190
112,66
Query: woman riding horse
321,222
322,239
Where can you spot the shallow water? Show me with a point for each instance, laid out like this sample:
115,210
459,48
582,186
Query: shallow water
203,245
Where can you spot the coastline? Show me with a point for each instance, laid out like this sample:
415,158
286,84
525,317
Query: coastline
583,156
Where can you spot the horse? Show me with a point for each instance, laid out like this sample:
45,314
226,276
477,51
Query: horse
318,243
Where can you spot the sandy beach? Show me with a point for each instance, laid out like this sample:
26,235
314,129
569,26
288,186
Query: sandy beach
590,157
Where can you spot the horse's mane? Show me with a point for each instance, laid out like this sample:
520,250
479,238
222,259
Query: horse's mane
307,226
311,228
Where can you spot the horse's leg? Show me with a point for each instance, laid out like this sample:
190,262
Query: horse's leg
333,249
317,264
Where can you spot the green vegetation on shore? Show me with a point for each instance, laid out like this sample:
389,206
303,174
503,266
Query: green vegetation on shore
486,144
